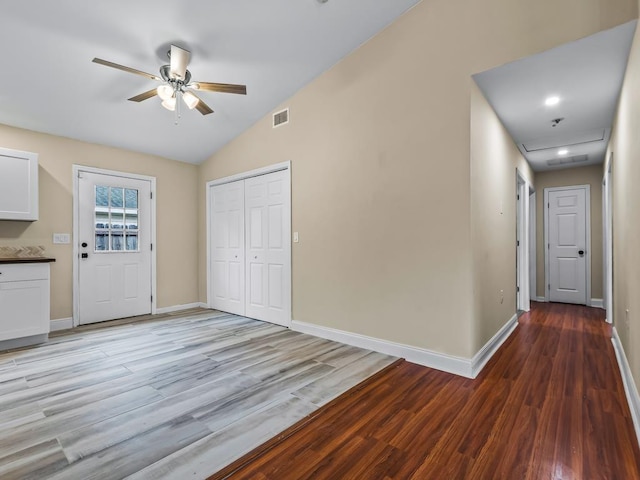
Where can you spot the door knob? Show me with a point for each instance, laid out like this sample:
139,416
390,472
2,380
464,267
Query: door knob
581,252
256,257
84,245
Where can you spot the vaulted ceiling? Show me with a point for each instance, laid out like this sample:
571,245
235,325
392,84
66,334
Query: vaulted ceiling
274,47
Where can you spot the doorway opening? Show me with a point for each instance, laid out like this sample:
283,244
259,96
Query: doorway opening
523,228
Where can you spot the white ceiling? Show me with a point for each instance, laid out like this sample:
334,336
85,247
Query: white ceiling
587,75
275,47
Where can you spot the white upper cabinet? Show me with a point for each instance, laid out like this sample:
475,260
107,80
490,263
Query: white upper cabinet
18,185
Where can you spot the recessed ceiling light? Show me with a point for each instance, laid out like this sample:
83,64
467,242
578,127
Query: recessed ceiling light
563,151
551,101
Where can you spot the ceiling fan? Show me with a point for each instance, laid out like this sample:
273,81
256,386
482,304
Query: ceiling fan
176,83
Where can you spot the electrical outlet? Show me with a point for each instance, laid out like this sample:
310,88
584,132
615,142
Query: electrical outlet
296,239
62,238
501,296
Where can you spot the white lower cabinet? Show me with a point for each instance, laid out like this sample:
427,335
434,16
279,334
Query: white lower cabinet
24,300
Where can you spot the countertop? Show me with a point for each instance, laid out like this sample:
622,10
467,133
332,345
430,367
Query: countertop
5,260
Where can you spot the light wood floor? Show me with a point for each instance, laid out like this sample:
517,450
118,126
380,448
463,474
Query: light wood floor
550,405
174,396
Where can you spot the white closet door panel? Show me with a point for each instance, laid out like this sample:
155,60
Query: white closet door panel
268,245
227,207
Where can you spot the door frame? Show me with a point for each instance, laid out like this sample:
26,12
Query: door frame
278,167
607,219
587,189
77,169
533,275
523,297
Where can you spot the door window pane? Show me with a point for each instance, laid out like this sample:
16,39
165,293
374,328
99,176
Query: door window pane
116,219
131,198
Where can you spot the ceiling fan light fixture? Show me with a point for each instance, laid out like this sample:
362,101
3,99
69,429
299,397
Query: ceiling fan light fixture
190,100
169,103
165,92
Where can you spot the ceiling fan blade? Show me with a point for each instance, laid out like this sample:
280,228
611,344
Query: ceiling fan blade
220,87
203,108
144,96
179,61
107,63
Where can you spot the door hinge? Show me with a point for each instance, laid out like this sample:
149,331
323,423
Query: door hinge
517,243
151,195
152,298
517,289
548,246
152,247
518,197
549,286
548,205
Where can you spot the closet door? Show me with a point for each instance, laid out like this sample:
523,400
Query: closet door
268,246
227,247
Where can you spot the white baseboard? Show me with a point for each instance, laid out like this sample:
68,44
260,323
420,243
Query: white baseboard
630,389
61,324
464,367
439,361
176,308
540,299
597,303
481,358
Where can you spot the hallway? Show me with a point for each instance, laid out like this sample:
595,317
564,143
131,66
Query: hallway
549,405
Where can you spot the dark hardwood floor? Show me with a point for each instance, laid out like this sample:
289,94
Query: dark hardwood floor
549,405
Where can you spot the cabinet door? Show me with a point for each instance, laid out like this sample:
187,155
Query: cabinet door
18,185
24,309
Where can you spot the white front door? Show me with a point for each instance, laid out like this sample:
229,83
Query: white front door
114,245
567,244
268,240
227,247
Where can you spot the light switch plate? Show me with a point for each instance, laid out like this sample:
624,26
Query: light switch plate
61,238
295,237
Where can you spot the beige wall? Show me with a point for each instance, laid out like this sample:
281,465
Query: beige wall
625,146
494,161
591,175
380,147
176,212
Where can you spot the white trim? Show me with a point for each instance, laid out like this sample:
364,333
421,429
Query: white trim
607,221
61,324
481,358
76,169
464,367
234,178
177,308
439,361
588,235
541,299
251,173
597,303
630,389
533,274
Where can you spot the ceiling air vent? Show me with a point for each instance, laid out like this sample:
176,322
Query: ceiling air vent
565,161
281,118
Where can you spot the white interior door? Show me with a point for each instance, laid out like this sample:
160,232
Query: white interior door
567,245
268,243
114,244
227,247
